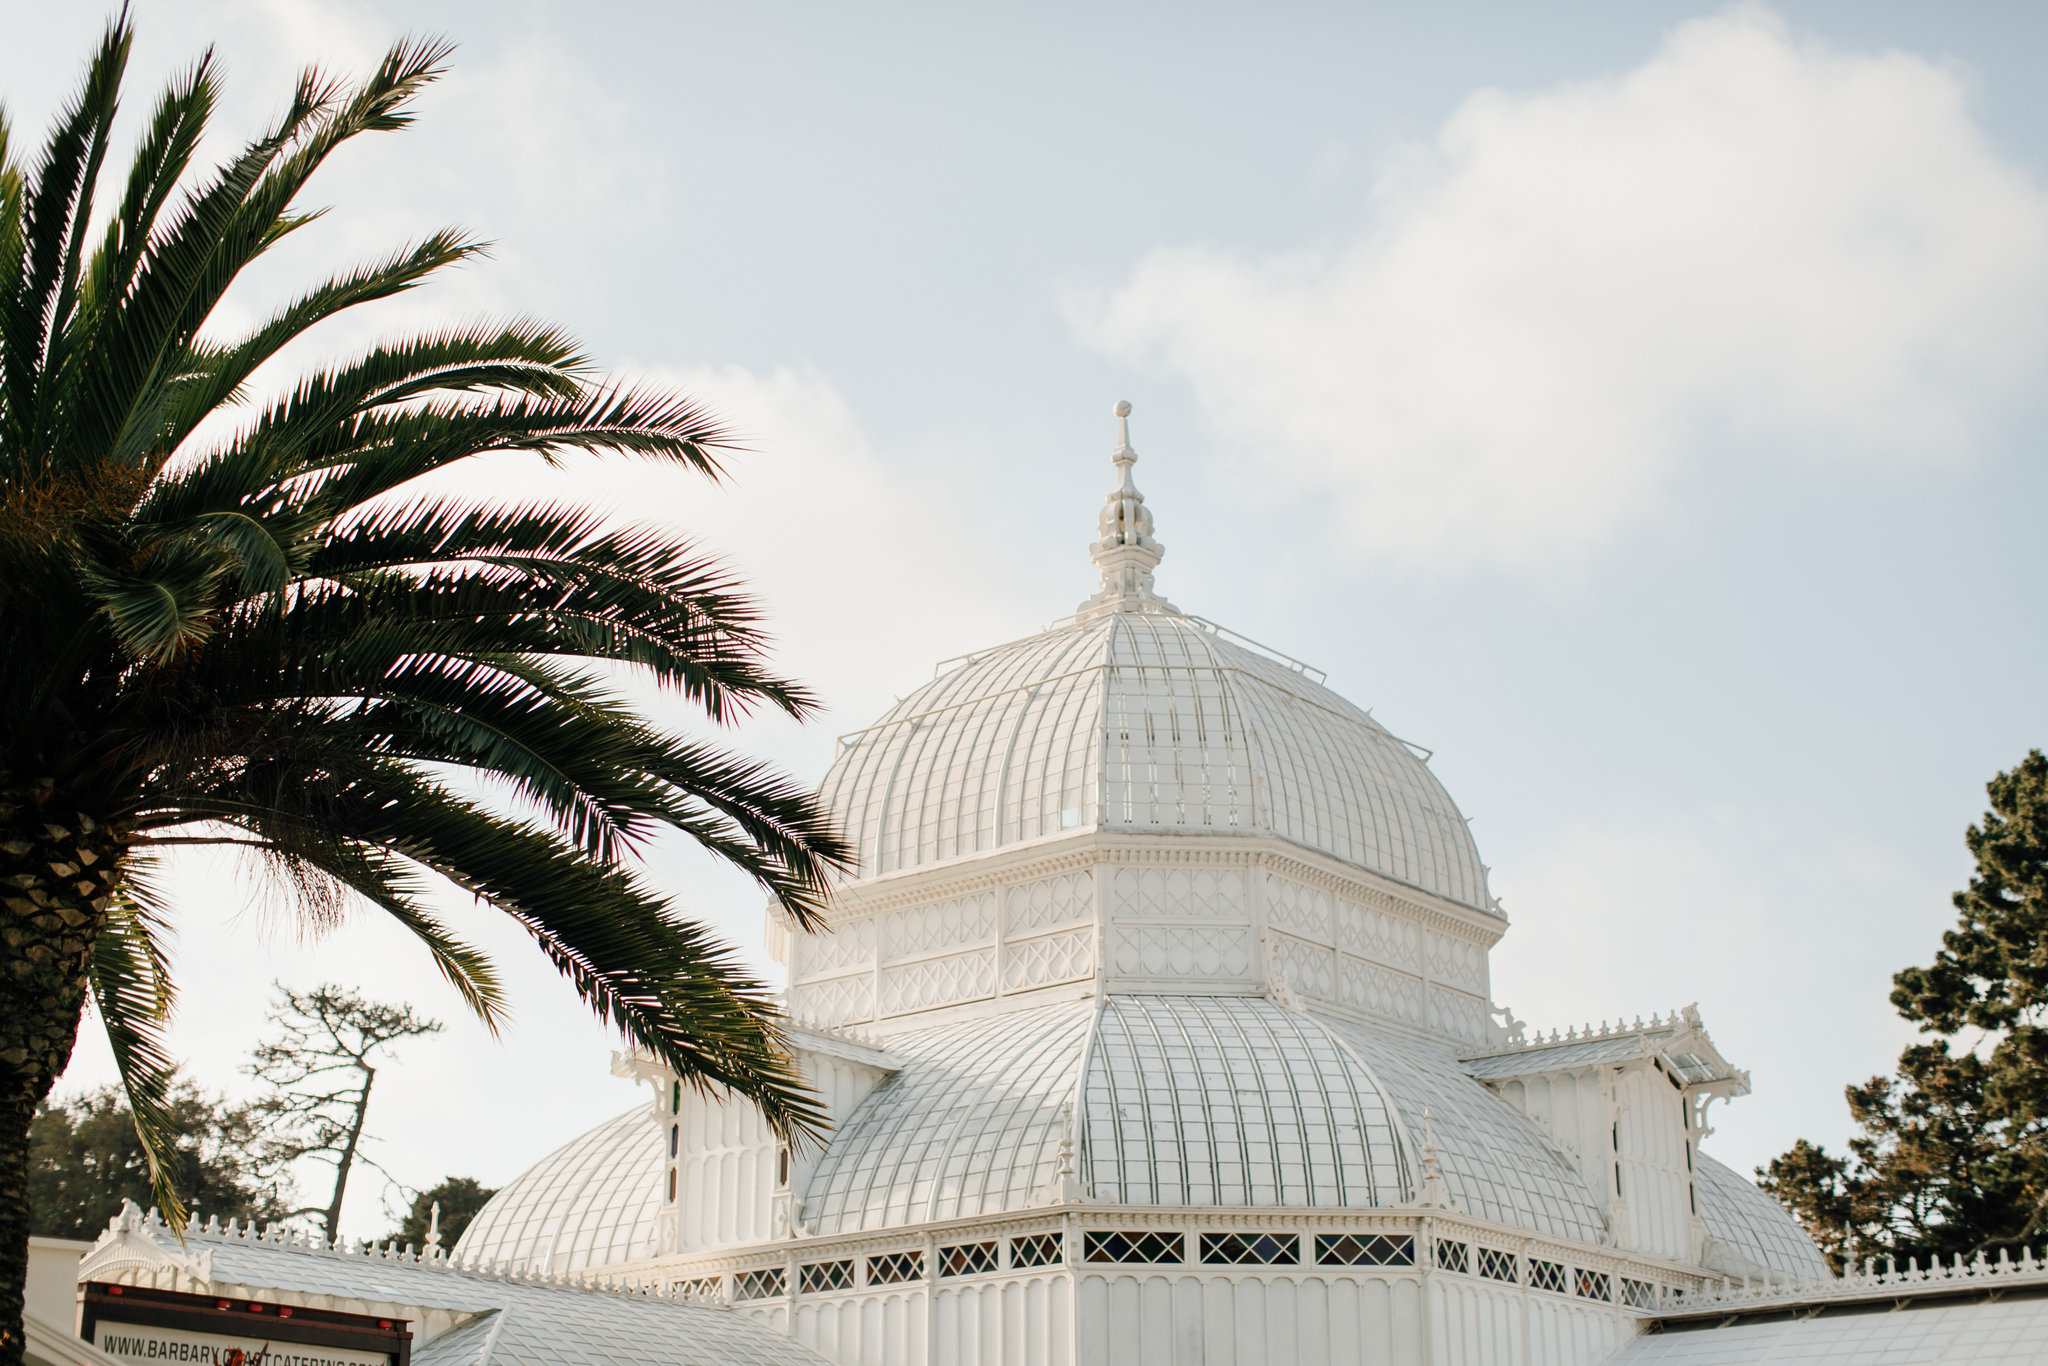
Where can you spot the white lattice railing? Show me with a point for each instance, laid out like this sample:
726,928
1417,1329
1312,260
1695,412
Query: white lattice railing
1873,1281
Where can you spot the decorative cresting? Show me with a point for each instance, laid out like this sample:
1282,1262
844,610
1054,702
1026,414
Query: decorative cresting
1125,551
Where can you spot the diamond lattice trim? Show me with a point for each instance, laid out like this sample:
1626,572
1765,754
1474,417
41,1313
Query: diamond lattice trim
1452,1256
1179,893
1311,969
845,948
1457,1014
1035,1249
1048,902
1379,934
1152,1249
1183,951
815,1276
967,1259
938,981
891,1267
837,1001
1593,1285
1457,962
1052,958
701,1290
1365,1249
1251,1249
1496,1265
1393,995
760,1284
920,930
1546,1276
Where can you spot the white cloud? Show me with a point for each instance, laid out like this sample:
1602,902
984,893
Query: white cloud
1748,242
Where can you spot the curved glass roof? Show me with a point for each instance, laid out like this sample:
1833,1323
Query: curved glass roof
1187,1100
1496,1164
1143,721
1753,1226
589,1203
971,1124
1232,1100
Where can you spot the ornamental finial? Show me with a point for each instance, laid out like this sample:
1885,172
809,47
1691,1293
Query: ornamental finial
1125,552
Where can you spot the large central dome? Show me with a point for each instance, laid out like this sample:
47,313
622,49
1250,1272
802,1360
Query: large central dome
1133,716
1143,722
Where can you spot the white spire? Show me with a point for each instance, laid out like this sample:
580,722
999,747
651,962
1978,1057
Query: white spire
1126,552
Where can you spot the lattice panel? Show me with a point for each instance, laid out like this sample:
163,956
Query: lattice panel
1453,1256
1251,1249
1310,968
892,1267
967,1259
1394,995
1151,1249
921,930
701,1290
1457,962
1379,934
1048,902
758,1285
1179,893
837,1001
1638,1294
1593,1285
938,981
1036,1249
1496,1265
1546,1276
1365,1249
1183,951
1048,959
1298,907
813,1277
1456,1014
845,947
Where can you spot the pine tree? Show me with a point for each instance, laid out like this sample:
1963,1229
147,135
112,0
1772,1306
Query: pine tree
1952,1156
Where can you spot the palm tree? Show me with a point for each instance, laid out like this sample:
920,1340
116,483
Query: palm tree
257,634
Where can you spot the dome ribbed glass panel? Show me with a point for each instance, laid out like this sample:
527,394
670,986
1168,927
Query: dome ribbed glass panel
1231,1100
1751,1224
590,1203
1495,1163
1143,721
970,1125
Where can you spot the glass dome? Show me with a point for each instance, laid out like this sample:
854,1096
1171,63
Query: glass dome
589,1203
1144,722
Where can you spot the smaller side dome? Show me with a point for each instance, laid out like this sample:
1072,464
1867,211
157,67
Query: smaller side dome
1749,1233
590,1203
1227,1101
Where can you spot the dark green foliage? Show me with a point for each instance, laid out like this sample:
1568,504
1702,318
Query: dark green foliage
85,1159
1952,1156
460,1197
253,631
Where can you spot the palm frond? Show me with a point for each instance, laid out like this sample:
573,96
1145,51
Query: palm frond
131,987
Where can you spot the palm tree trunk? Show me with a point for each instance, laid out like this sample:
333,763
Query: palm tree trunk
57,871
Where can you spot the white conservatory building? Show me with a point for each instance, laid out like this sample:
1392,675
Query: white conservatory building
1156,1028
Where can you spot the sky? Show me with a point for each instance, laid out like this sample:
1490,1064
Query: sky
1637,404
